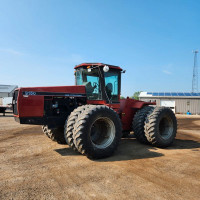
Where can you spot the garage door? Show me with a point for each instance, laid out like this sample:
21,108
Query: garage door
168,103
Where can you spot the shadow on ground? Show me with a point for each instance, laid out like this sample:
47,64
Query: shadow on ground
130,149
184,144
67,152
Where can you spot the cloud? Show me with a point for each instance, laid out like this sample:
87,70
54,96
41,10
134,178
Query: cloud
12,51
167,72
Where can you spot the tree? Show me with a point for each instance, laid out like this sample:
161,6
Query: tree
121,97
136,95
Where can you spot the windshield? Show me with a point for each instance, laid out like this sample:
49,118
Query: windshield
111,83
89,78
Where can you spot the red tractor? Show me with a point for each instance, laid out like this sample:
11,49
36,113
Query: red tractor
90,116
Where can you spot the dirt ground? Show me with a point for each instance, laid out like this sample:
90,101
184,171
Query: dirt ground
34,167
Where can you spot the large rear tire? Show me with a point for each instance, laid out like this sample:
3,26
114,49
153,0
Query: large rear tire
161,127
55,134
138,124
97,132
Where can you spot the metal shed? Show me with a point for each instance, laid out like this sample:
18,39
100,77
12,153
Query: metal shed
179,102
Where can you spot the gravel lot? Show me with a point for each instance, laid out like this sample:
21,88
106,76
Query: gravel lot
34,167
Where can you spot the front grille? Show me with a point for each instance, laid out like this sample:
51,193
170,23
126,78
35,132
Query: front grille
14,102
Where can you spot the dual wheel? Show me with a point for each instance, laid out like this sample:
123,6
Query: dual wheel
93,130
156,126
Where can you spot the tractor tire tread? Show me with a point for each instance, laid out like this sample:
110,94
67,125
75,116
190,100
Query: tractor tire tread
80,130
151,130
69,125
138,124
55,134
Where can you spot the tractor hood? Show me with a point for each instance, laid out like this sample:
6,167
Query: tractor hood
29,101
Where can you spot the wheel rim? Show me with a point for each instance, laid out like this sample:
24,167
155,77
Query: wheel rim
166,127
102,132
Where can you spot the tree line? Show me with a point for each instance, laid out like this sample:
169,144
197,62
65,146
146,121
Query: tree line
135,96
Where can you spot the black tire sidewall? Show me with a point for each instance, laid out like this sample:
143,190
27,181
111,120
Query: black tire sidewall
140,118
160,140
92,150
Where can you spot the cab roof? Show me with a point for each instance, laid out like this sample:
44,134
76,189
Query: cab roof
98,64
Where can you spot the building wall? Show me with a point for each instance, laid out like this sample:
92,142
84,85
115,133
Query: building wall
191,105
1,101
182,105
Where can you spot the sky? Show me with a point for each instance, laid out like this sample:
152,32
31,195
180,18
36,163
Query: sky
42,40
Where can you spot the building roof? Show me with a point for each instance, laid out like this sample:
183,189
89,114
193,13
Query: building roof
170,94
7,90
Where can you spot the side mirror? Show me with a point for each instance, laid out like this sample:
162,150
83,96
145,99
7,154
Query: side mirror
105,68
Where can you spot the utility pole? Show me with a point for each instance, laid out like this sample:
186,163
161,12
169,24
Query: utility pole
195,73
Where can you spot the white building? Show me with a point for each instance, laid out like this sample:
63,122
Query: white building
179,102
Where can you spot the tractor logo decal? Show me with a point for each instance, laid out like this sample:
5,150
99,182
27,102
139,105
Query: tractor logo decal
32,93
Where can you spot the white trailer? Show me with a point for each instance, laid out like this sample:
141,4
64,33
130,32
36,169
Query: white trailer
6,93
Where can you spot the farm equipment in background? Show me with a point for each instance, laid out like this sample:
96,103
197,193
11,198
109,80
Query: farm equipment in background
3,110
90,116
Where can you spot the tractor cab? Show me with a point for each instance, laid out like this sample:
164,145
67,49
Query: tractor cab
102,81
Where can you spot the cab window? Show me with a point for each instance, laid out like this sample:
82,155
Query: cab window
89,78
112,85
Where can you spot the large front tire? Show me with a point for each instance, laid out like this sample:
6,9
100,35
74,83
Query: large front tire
98,132
161,127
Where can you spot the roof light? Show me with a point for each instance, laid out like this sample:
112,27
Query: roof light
105,68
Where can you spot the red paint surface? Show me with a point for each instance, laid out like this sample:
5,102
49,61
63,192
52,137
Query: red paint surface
33,106
126,109
102,102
